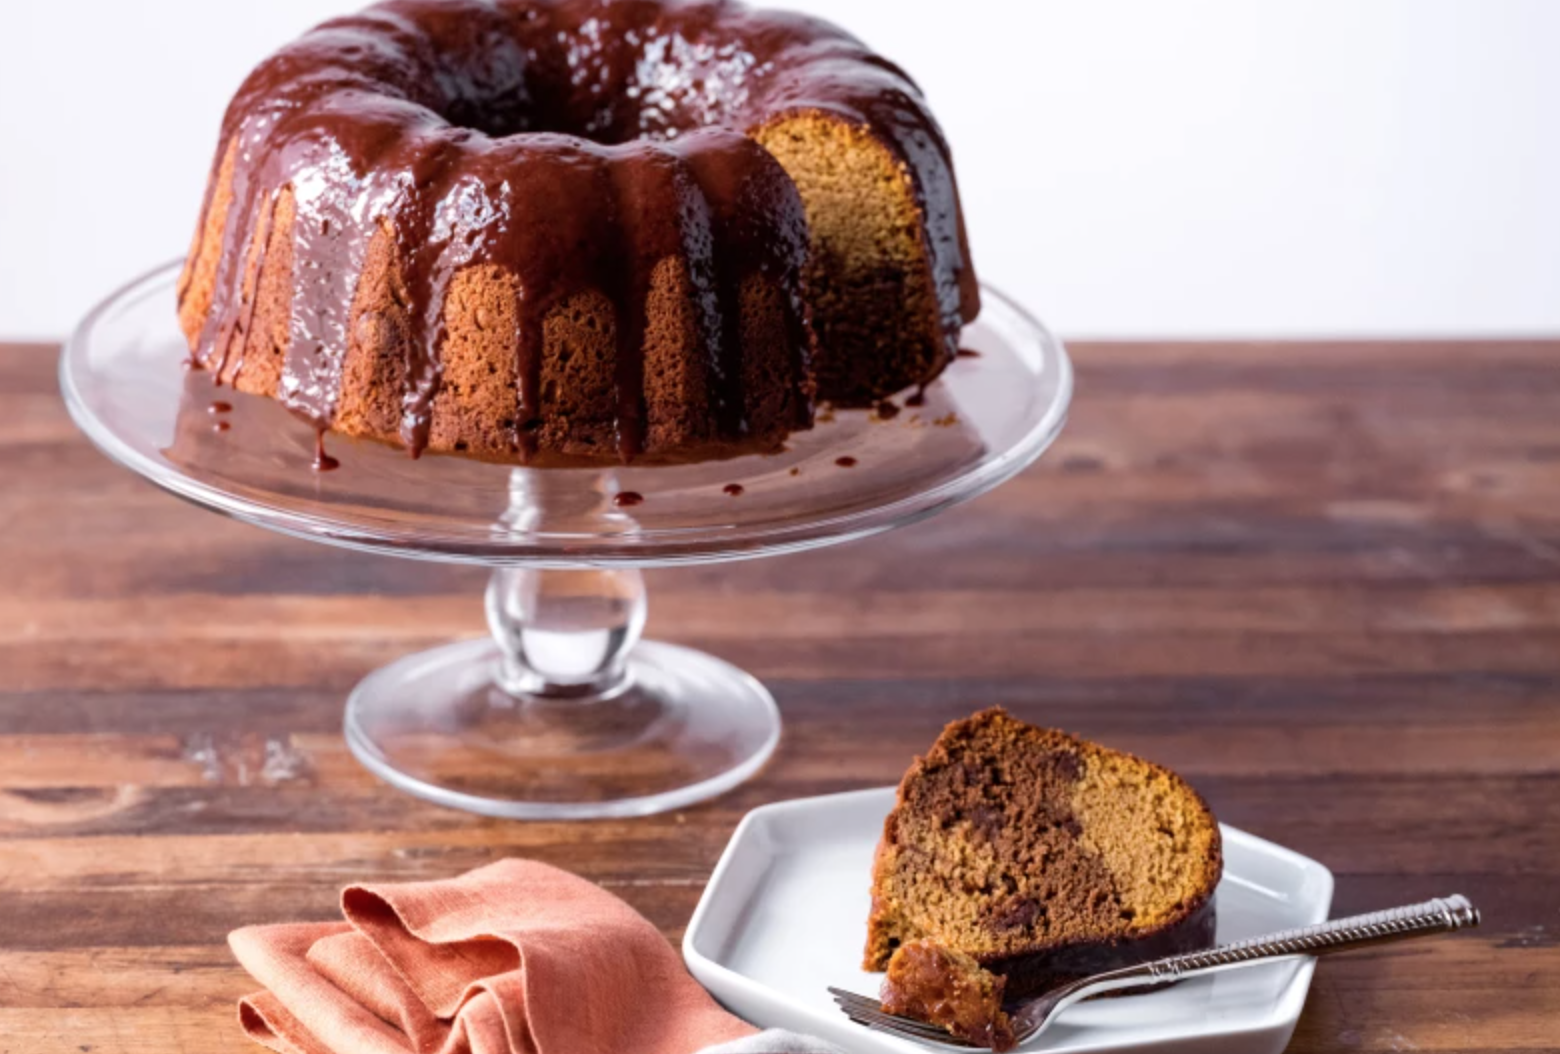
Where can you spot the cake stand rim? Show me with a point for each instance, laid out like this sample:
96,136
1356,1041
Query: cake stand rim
663,549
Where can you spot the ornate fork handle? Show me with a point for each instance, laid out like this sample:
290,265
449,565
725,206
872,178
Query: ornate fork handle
1441,915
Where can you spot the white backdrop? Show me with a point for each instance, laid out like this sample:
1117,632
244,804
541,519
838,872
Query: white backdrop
1129,167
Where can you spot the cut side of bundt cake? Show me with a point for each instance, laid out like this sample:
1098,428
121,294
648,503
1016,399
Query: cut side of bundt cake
608,230
1042,857
883,319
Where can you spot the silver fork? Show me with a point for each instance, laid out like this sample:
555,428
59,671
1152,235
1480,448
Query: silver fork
1030,1018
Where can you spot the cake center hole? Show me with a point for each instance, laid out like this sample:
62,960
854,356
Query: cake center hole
659,88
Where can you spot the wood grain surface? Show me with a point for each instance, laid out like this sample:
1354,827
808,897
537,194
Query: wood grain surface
1321,580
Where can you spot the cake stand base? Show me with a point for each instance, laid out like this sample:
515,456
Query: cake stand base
680,726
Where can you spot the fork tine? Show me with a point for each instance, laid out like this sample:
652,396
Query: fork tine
870,1013
865,1011
842,996
855,1000
844,993
893,1027
942,1038
860,1006
898,1024
863,1014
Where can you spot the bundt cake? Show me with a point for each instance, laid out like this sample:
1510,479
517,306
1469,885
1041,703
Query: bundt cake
598,229
1042,857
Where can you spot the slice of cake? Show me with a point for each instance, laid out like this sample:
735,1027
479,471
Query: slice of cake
1042,857
948,988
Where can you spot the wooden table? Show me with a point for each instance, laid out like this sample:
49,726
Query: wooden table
1321,580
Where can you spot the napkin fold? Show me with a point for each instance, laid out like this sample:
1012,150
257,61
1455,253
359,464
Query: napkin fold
513,958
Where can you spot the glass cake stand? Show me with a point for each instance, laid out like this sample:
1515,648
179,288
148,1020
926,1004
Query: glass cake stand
563,712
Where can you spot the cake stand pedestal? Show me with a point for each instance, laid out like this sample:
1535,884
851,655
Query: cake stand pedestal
563,712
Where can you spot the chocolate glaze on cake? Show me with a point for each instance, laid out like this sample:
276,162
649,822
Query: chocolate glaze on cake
418,208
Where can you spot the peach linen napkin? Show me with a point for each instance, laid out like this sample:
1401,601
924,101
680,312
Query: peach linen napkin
513,958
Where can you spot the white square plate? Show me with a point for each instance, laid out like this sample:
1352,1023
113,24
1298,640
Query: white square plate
784,917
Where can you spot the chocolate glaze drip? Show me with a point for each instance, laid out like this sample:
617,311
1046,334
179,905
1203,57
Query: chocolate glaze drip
573,143
845,462
323,462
